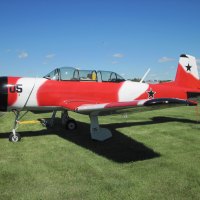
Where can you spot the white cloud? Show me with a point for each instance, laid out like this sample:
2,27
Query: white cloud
165,59
23,55
49,56
114,62
118,55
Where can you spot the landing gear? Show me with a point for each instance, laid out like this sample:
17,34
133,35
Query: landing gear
68,122
15,137
51,122
98,133
71,125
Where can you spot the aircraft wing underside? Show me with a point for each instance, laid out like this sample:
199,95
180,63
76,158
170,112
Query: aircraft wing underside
123,107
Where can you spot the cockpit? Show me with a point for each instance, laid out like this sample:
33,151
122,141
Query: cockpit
73,74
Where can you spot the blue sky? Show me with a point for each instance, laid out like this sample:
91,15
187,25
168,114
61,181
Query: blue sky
118,35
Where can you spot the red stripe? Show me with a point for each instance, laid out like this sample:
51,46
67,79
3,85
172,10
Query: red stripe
56,92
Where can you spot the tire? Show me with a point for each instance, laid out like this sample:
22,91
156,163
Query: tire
15,138
71,125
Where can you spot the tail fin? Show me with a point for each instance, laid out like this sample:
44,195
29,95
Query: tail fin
187,73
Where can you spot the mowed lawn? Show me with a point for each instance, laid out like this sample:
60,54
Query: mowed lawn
152,155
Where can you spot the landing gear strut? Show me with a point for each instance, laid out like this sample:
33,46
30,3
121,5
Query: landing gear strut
49,123
68,122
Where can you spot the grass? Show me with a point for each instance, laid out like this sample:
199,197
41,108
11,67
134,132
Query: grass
152,155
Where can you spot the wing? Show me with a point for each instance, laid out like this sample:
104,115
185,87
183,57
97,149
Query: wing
121,107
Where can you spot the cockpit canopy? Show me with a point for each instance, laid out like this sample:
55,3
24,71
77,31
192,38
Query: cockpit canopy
72,74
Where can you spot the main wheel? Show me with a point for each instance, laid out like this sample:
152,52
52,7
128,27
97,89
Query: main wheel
71,125
15,138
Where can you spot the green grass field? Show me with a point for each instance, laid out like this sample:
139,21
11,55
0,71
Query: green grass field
152,155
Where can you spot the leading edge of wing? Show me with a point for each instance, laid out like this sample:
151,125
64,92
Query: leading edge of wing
140,105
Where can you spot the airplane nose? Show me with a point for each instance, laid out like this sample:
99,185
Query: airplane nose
3,93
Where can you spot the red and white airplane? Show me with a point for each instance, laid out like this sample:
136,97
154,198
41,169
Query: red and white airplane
95,93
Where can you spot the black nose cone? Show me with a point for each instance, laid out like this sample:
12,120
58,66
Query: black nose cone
3,93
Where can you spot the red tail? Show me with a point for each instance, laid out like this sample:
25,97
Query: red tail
187,73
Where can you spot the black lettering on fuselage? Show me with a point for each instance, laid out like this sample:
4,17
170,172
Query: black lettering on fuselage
16,88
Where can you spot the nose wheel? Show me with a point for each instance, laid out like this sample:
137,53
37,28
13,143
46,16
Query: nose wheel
14,137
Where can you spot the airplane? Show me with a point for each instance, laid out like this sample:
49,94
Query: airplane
95,93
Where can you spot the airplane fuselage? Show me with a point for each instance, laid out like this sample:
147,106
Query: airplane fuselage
44,94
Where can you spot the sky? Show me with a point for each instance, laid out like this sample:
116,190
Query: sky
125,36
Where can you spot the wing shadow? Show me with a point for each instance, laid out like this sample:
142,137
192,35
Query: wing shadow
120,148
153,120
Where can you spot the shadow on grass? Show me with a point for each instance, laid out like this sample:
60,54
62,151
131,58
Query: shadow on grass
120,148
154,120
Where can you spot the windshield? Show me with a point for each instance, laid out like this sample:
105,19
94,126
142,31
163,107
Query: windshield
52,75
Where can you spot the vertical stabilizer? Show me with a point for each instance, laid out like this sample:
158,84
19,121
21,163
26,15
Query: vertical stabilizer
187,72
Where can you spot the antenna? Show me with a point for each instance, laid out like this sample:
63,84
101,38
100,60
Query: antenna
145,75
